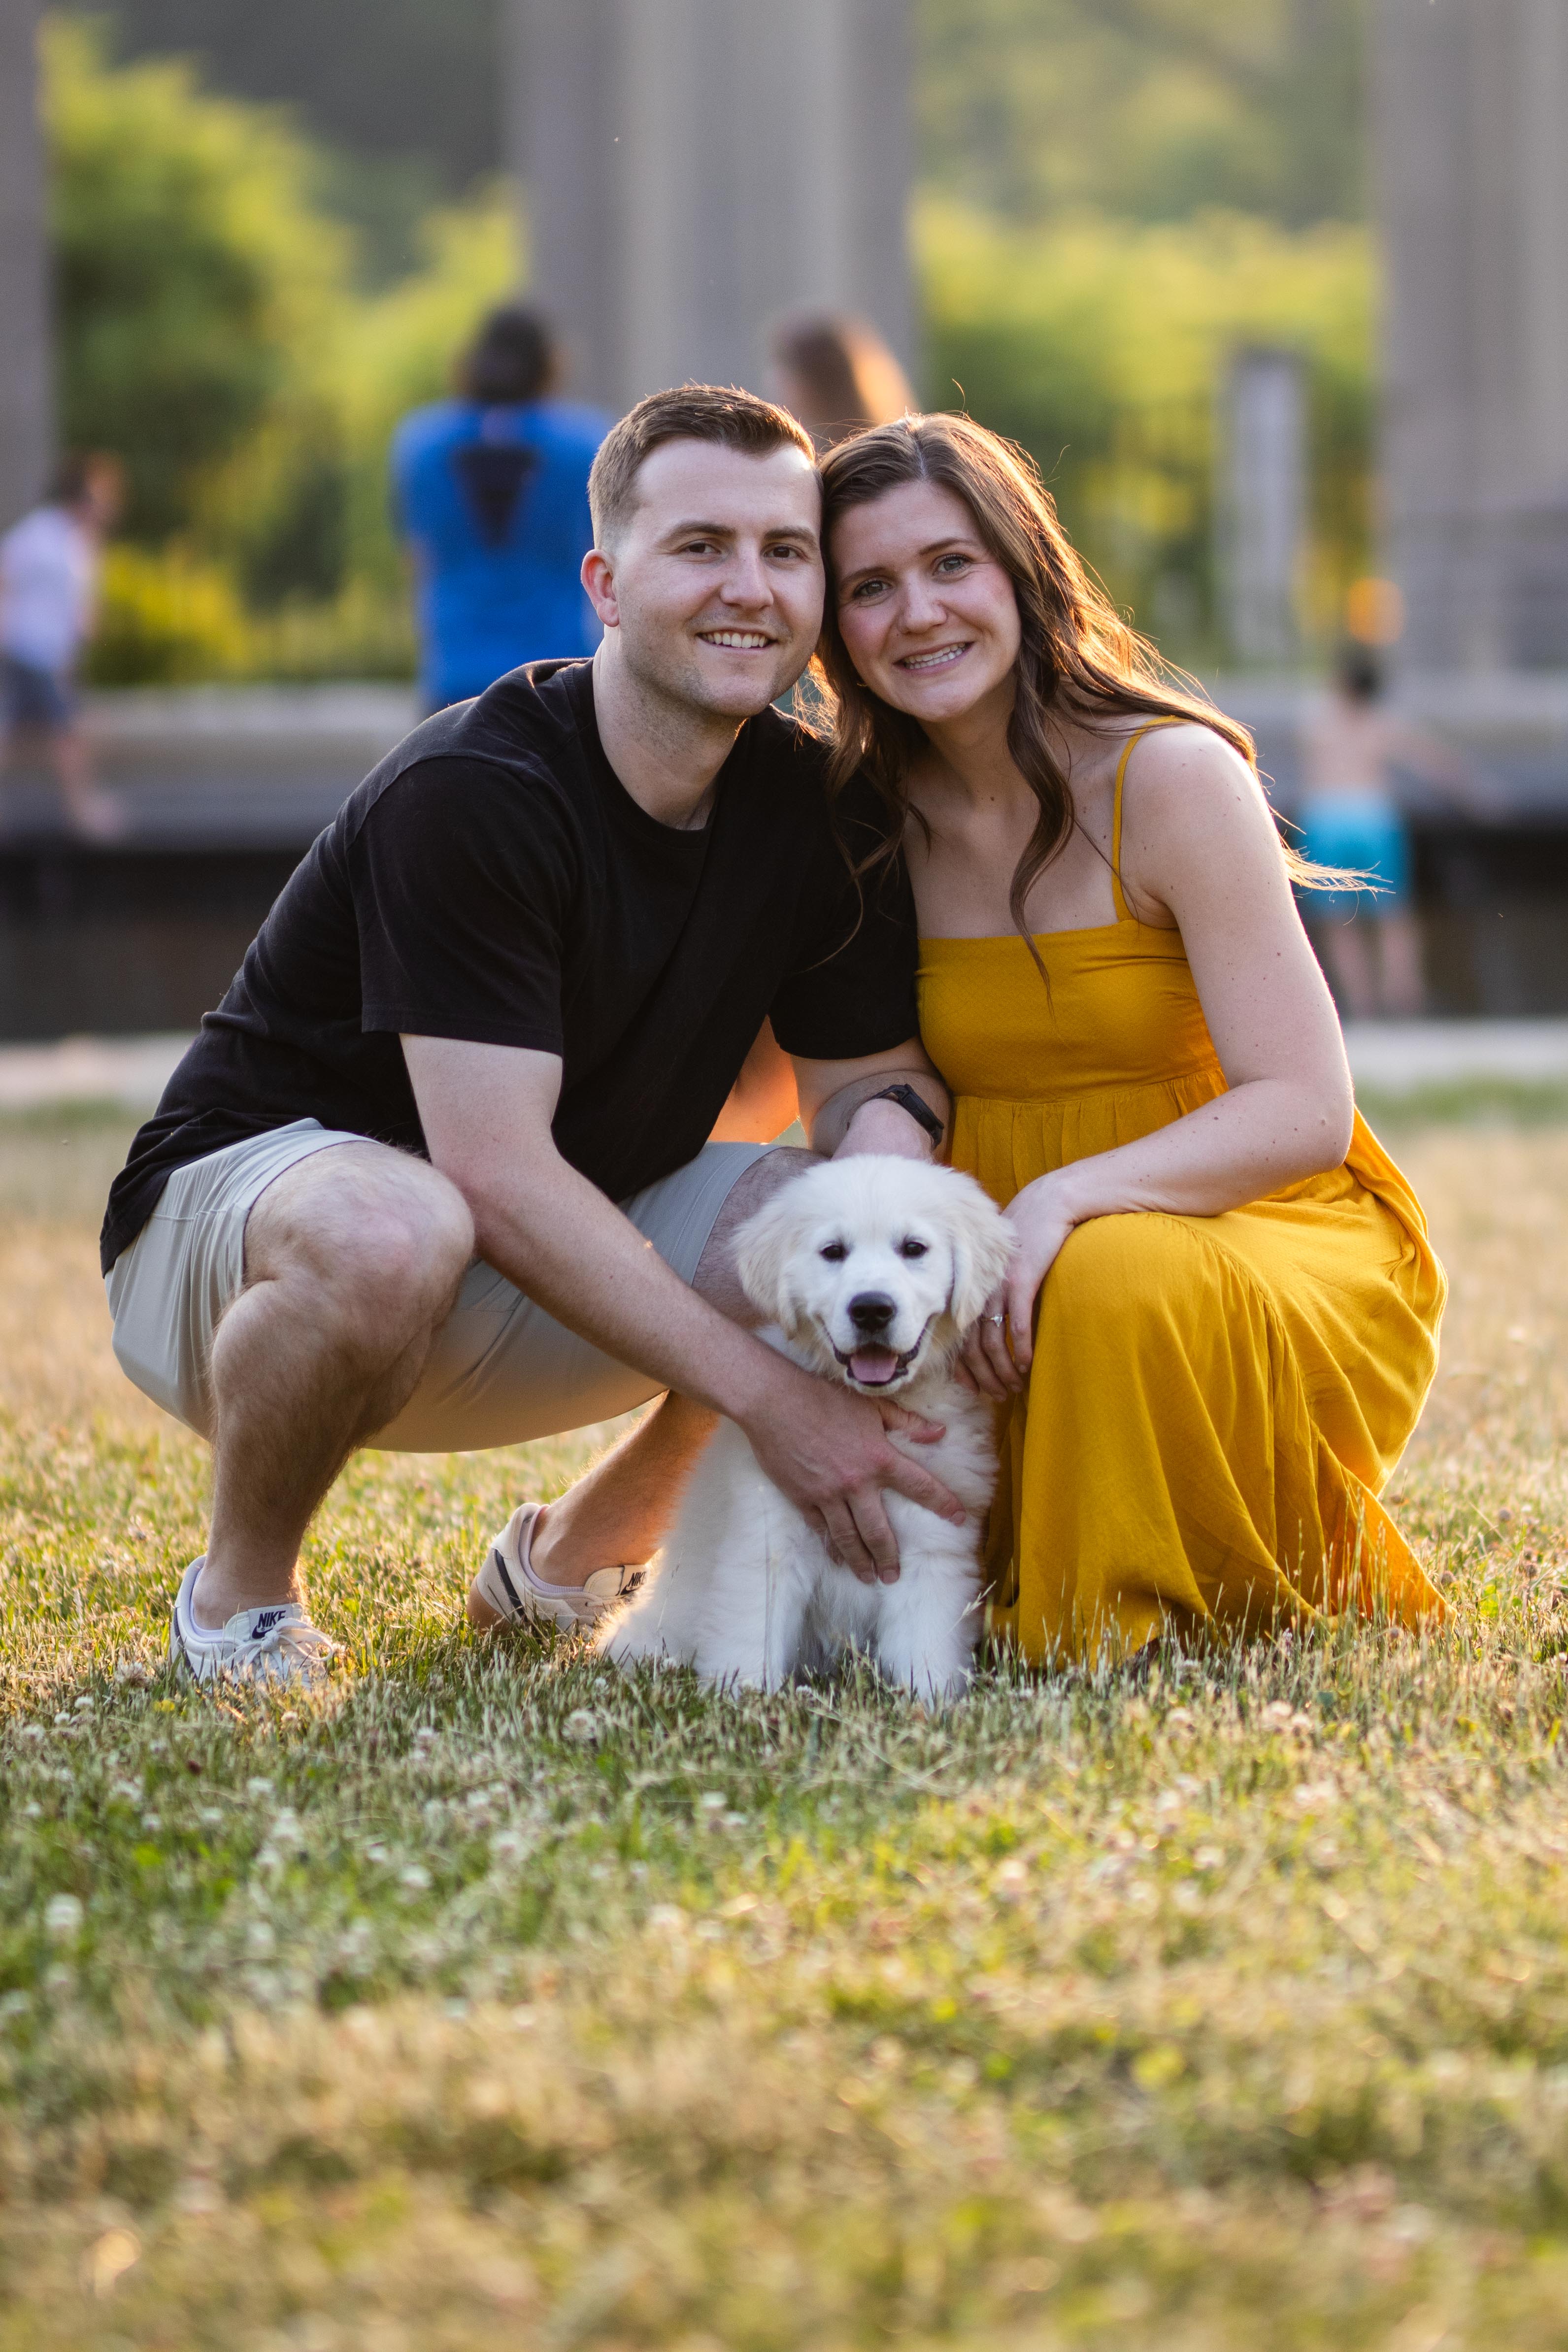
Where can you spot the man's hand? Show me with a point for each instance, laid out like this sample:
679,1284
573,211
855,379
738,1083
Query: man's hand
827,1449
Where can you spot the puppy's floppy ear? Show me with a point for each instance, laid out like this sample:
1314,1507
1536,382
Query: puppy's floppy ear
981,1246
763,1247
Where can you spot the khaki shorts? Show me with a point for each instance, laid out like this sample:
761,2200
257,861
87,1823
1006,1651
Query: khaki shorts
502,1370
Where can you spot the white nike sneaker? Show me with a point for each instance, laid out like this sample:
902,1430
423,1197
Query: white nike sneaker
508,1584
271,1644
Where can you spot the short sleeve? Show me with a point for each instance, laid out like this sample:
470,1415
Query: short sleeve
852,991
460,907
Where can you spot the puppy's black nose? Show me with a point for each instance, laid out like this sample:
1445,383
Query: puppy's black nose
872,1311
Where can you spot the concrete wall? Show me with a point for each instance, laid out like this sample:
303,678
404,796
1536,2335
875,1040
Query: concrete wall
1469,105
25,376
695,167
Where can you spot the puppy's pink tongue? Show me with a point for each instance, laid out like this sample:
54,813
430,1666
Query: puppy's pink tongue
874,1366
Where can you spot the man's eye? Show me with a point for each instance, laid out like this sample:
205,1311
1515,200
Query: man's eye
910,1247
834,1252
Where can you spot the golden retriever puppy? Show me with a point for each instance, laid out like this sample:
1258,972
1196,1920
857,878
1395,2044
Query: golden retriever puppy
870,1271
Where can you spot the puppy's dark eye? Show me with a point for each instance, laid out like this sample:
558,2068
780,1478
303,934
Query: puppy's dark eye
834,1252
910,1247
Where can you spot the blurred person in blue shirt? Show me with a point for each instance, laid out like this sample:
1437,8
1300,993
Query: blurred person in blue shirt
491,494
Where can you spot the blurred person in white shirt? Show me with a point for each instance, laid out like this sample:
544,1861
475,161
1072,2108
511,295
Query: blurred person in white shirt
49,564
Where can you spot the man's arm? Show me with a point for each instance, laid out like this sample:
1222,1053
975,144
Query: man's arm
486,1111
839,1115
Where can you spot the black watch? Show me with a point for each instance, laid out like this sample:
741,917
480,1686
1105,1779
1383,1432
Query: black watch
918,1111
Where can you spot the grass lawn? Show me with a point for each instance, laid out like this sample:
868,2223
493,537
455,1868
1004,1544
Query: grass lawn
496,2002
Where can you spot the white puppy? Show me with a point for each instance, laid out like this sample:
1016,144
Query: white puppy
871,1270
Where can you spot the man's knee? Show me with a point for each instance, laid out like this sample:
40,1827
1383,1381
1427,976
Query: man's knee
383,1238
715,1279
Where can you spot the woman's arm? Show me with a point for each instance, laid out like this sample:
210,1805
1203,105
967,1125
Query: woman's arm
1199,846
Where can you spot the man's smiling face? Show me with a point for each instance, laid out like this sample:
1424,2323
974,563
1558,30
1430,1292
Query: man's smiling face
716,578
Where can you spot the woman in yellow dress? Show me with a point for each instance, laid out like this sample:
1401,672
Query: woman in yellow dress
1221,1319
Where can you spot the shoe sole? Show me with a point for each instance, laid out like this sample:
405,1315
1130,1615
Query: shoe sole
180,1658
524,1614
214,1671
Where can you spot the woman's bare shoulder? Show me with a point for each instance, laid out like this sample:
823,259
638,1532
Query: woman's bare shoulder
1187,772
1191,805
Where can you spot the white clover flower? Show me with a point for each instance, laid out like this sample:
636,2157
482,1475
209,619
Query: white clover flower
62,1915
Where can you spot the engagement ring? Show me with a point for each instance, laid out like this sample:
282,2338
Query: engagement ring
997,1319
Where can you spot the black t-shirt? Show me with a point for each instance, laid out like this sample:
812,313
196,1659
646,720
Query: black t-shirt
492,879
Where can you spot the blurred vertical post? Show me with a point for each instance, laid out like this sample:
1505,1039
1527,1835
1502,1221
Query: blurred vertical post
1263,503
692,168
1470,165
26,377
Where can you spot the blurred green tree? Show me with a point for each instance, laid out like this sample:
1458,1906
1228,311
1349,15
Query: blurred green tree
213,332
191,267
1148,108
1100,344
1117,193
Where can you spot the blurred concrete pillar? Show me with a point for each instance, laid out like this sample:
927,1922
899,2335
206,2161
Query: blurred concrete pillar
1471,141
695,167
1262,503
25,435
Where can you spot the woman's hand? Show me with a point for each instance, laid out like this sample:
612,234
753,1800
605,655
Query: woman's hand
996,1356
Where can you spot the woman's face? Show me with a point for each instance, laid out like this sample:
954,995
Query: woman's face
928,614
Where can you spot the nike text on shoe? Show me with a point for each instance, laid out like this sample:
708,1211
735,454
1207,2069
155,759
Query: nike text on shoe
272,1644
508,1584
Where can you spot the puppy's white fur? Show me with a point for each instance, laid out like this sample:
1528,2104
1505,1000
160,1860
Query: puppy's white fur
744,1590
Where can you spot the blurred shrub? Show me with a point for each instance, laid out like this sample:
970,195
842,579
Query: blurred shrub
192,270
166,619
1101,344
366,631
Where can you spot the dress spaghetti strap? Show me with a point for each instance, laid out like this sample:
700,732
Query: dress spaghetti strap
1123,912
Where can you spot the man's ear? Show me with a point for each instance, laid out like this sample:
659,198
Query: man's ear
981,1246
598,578
762,1249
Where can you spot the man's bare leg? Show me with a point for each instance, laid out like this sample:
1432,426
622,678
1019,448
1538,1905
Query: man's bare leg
96,815
353,1259
1402,994
618,1512
1346,955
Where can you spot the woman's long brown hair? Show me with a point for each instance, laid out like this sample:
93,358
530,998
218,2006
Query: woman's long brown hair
1078,657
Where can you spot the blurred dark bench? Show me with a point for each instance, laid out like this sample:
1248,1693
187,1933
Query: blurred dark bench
225,790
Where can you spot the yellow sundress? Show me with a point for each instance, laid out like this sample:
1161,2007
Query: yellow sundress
1215,1402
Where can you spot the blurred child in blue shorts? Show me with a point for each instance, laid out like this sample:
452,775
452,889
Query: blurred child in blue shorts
1368,938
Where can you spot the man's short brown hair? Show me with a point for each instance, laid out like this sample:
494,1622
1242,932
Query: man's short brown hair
721,414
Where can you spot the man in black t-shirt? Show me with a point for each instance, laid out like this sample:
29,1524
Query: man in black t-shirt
436,1173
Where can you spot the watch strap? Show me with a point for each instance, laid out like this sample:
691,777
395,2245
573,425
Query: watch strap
918,1108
